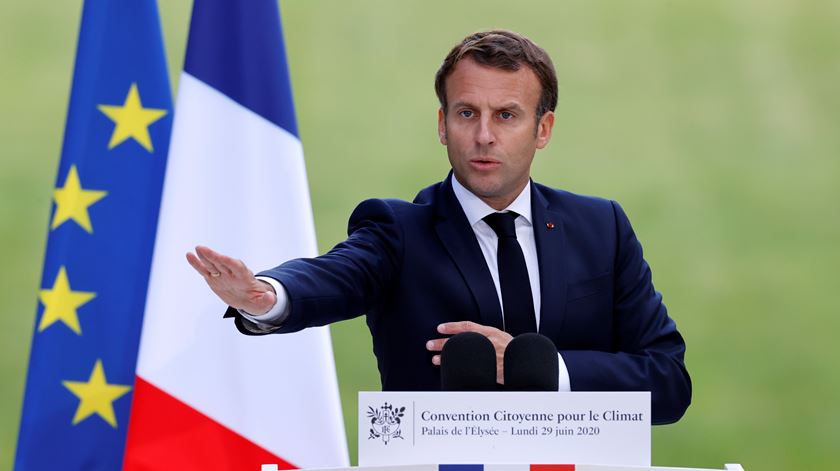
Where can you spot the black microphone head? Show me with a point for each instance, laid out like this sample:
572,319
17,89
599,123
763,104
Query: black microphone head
531,364
468,363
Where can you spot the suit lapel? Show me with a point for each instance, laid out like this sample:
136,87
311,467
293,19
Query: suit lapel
459,239
550,237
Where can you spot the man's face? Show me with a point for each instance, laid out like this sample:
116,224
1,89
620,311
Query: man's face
490,129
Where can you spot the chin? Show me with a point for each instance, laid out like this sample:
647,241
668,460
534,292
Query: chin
482,188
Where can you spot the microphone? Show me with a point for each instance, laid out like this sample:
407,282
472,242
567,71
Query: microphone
468,363
531,364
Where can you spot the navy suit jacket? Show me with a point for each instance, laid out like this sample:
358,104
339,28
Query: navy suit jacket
412,266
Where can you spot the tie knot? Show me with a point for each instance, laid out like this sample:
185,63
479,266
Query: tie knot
503,224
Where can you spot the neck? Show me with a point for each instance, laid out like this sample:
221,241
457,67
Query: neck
499,202
495,201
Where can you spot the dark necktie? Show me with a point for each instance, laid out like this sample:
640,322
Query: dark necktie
517,302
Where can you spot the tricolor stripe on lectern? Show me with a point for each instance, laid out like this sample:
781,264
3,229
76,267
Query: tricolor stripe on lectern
80,382
506,467
206,396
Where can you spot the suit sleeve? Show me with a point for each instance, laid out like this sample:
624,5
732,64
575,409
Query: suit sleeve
345,282
648,352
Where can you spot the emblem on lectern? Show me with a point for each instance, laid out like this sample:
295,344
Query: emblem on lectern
385,422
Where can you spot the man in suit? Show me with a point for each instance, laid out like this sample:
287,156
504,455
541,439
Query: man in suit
487,250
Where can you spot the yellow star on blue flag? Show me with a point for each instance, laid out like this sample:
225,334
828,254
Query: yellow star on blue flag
131,120
60,303
96,396
72,202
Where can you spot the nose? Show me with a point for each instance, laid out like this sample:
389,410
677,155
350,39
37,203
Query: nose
485,135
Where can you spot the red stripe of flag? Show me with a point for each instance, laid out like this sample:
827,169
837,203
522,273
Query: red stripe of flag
552,467
165,433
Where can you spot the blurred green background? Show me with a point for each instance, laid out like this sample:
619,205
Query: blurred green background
716,124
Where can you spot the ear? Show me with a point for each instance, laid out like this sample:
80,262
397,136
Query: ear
441,126
544,128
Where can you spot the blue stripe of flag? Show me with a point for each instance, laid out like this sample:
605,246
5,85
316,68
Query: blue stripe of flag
240,52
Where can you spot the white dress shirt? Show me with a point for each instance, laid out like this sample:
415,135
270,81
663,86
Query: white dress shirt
475,209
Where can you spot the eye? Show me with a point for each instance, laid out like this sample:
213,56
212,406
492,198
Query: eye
506,115
466,113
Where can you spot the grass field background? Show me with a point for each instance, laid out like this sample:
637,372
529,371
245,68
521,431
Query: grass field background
716,124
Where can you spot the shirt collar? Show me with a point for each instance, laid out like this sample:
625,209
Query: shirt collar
476,209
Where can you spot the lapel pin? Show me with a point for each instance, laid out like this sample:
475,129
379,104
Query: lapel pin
549,225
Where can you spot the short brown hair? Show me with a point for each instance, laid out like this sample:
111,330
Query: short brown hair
504,50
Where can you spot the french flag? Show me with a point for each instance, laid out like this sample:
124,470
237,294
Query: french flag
207,397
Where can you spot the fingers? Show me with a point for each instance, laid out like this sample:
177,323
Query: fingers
214,261
222,264
198,265
435,345
204,265
498,337
452,328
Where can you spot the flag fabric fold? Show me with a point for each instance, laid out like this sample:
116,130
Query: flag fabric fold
80,381
236,182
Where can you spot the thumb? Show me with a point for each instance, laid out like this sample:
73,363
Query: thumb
268,298
261,303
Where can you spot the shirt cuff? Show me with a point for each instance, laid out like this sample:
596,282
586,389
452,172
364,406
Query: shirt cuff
278,313
563,382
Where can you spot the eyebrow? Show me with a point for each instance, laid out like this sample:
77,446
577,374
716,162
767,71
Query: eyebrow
513,106
459,104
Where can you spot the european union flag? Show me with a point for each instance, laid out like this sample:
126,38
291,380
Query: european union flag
101,235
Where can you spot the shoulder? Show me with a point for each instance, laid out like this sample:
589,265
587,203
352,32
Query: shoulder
400,214
575,204
584,213
393,208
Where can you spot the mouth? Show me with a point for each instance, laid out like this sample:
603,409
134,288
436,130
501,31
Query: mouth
484,163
